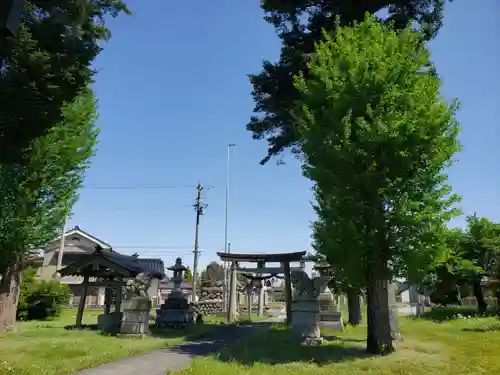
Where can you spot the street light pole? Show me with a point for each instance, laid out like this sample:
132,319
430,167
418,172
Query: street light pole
226,247
228,178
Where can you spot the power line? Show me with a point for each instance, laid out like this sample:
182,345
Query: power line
158,247
138,186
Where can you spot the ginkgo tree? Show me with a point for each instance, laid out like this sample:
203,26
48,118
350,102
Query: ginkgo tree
469,266
36,197
376,137
481,245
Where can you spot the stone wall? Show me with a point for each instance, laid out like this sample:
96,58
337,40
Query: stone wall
210,300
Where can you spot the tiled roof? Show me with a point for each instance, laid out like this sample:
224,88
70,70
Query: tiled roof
132,264
154,264
77,230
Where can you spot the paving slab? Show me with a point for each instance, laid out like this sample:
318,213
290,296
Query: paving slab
177,357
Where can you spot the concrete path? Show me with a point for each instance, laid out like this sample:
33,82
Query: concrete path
179,356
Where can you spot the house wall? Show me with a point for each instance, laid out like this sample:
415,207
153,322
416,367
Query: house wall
154,291
74,243
92,299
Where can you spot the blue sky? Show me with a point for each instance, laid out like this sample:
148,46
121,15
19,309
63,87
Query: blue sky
173,92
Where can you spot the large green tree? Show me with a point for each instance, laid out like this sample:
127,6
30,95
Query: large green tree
470,259
481,246
37,196
446,281
47,65
300,24
376,137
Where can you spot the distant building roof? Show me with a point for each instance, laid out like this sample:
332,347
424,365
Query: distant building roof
120,264
154,264
77,230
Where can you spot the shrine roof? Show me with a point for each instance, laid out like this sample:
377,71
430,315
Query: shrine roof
109,263
277,257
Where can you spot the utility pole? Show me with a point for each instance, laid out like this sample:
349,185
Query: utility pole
199,207
62,244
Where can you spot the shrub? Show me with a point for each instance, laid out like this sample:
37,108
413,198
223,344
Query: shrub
445,313
41,299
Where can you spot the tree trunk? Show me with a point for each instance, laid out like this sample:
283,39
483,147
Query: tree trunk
379,340
10,287
482,305
497,296
354,307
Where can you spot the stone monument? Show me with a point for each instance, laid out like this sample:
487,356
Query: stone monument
176,311
394,312
306,306
136,307
330,318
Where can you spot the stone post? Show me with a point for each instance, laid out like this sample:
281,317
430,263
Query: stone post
232,310
288,292
261,290
249,303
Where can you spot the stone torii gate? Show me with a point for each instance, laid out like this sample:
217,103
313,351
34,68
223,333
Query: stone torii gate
261,259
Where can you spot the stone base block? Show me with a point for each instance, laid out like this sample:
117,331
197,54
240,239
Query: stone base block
174,318
134,328
135,322
331,321
109,323
137,303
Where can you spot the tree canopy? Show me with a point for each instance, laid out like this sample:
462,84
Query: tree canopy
471,259
376,137
300,24
47,65
36,197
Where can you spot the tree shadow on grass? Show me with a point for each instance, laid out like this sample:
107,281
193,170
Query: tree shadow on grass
194,332
490,328
278,346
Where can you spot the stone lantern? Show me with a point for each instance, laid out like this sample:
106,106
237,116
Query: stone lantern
179,271
329,310
175,312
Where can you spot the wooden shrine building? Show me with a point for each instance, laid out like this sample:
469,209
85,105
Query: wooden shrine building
105,267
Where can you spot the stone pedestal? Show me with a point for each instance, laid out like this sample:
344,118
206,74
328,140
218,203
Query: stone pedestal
330,318
305,321
135,320
110,323
175,312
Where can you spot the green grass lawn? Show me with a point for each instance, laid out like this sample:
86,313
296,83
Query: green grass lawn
46,348
452,347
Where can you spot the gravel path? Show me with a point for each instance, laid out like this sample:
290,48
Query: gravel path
179,356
